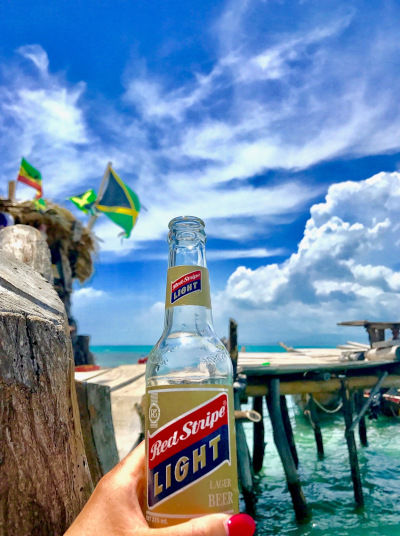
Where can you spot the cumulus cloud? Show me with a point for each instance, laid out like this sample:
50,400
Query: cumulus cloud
346,266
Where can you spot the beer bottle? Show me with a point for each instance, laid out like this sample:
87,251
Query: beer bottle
190,431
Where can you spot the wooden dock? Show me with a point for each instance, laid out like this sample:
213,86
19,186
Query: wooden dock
273,375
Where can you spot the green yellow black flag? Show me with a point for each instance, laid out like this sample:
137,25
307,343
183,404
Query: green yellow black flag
85,201
119,203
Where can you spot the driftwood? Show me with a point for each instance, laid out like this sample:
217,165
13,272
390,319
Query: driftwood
44,476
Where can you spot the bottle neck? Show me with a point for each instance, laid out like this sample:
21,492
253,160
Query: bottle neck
188,304
187,254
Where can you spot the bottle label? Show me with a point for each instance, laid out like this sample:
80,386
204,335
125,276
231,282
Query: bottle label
188,285
191,453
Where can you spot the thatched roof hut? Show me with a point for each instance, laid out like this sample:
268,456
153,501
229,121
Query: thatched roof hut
63,232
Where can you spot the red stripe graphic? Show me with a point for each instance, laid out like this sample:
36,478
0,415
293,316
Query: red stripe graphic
187,278
188,429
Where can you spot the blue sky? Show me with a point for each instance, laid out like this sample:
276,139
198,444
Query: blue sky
277,122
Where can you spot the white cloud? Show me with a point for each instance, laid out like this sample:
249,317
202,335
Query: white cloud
268,99
346,267
83,296
37,55
224,254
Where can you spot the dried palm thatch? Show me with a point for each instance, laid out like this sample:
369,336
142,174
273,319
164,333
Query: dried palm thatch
63,231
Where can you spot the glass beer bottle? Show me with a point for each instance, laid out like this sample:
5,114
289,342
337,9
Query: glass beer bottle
190,429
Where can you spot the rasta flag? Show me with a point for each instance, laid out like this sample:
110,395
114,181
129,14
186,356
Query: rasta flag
30,176
85,201
119,203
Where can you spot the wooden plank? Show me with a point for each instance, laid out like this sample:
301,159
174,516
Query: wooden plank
279,366
366,323
85,376
312,386
118,377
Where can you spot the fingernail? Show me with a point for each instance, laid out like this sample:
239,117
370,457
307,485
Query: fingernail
240,525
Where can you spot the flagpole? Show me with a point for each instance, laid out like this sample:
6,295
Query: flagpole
99,196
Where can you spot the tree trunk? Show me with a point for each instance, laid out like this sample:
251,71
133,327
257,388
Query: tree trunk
44,476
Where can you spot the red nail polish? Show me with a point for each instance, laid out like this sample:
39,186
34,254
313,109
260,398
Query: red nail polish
240,525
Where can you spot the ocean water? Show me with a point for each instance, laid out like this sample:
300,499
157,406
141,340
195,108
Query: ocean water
326,483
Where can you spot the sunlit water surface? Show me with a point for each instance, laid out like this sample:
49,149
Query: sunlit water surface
327,483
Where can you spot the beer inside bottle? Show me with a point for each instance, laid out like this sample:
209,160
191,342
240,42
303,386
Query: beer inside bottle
190,428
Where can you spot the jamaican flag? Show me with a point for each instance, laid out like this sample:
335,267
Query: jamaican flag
30,176
85,201
119,203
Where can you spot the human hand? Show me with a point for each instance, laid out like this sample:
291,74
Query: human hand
116,509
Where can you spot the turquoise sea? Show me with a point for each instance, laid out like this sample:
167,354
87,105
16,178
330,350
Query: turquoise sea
326,483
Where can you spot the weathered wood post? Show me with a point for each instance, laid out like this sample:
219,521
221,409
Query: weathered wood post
288,429
233,345
362,427
44,476
351,443
258,436
245,473
282,445
314,420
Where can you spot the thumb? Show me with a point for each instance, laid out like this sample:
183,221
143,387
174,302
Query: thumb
213,525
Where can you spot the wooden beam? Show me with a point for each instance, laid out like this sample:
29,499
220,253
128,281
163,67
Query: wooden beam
312,386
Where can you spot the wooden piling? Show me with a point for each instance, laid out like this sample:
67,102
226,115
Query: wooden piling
362,427
233,345
288,429
258,436
351,443
314,420
282,445
245,473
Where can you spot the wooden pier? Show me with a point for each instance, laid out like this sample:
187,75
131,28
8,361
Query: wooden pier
273,376
312,372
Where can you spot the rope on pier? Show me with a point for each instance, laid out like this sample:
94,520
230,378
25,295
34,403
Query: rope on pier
340,405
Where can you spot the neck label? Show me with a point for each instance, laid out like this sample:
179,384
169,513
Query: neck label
188,285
